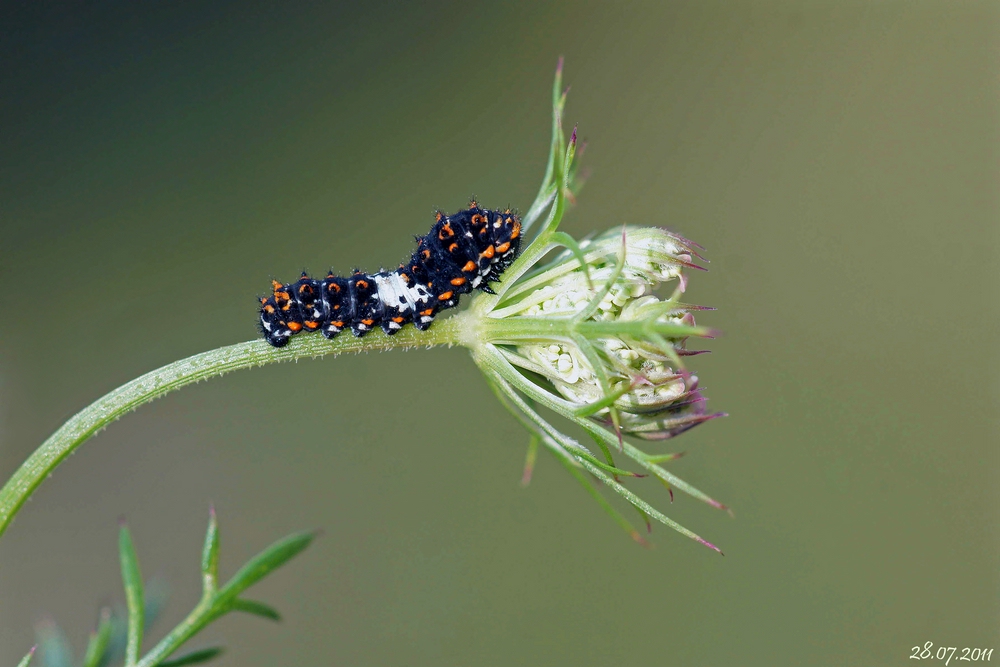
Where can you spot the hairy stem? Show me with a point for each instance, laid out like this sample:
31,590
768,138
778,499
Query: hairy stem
86,423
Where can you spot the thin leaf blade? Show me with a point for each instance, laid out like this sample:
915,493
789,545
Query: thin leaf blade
100,639
193,658
256,608
55,648
264,563
210,553
27,659
132,579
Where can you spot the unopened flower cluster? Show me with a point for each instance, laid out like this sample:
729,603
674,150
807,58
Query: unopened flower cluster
656,398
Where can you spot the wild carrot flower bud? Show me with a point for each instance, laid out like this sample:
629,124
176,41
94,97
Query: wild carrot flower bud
654,398
588,336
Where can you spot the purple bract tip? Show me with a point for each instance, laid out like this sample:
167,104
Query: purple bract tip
709,545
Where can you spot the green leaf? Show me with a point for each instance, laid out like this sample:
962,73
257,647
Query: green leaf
264,563
210,553
256,608
568,160
625,524
193,658
663,458
26,659
225,600
97,647
564,239
543,193
132,579
529,459
55,649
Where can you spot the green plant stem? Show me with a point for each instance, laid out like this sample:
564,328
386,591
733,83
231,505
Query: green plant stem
216,602
200,616
86,423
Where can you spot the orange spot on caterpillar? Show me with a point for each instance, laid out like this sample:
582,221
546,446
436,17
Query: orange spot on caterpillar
457,281
445,296
489,252
453,247
367,323
469,266
295,327
312,324
503,247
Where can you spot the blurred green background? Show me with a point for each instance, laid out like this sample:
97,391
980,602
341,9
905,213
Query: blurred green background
839,160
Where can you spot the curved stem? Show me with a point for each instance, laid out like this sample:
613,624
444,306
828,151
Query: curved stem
86,423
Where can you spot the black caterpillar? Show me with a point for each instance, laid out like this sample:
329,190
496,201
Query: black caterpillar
462,251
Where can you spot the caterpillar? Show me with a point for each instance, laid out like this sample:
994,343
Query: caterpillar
461,252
